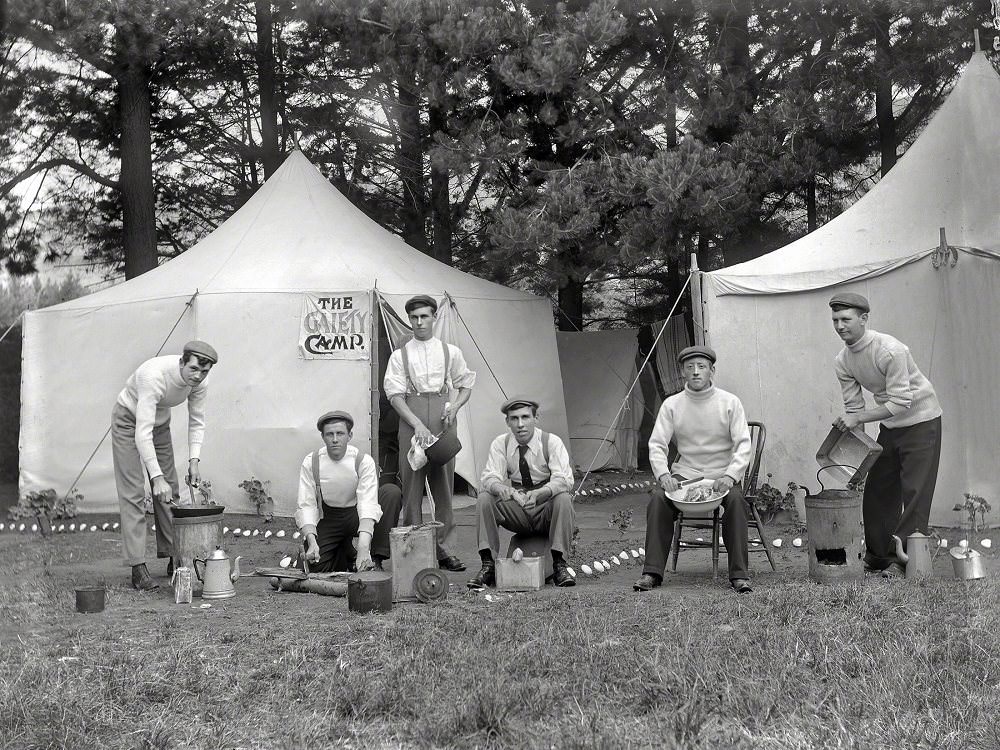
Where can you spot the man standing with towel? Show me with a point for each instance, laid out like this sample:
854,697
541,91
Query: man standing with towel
900,486
141,447
419,381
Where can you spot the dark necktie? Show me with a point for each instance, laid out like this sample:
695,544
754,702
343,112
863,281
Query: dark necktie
522,465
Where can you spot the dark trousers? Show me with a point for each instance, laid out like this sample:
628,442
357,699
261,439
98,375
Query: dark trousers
554,517
428,408
338,527
661,515
900,488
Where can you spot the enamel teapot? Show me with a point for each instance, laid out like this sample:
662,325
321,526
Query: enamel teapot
217,576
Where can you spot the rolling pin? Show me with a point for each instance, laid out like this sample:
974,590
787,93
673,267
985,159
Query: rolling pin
311,586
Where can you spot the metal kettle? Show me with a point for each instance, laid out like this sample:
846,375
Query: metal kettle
917,557
217,576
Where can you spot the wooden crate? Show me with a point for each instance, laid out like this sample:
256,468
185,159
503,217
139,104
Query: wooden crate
526,575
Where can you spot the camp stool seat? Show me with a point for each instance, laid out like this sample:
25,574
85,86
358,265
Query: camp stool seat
712,523
533,545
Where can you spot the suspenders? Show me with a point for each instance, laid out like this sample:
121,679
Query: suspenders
410,387
545,447
315,466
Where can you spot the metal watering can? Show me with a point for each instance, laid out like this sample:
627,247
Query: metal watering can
217,576
917,556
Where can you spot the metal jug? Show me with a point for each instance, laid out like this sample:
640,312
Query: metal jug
217,576
918,558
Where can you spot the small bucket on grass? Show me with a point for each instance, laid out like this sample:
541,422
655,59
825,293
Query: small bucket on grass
90,599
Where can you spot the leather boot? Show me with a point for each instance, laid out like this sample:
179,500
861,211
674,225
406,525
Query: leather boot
141,579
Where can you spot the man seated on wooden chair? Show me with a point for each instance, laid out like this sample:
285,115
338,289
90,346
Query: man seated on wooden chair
339,498
525,487
709,427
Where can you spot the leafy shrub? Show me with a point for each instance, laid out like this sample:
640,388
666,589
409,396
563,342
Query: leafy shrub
258,492
770,501
47,503
973,506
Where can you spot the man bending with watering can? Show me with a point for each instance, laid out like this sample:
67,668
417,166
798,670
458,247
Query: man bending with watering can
339,498
141,447
525,487
900,485
709,427
418,382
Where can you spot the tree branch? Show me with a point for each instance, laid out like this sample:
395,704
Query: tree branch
51,164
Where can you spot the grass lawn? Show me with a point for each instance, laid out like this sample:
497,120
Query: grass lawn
691,665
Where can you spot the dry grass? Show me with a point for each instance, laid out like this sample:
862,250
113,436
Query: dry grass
793,666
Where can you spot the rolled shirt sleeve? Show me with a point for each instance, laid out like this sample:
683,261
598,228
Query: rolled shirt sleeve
459,373
740,432
850,388
394,381
307,509
561,479
659,442
495,471
369,511
196,420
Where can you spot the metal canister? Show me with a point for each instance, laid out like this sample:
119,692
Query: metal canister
370,591
182,585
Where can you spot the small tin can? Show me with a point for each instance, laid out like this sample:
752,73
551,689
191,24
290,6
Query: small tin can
182,585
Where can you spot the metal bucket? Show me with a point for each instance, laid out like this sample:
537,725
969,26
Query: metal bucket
413,548
836,535
90,599
967,564
370,591
195,536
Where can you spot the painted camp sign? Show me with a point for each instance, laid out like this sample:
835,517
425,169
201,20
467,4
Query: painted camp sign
335,325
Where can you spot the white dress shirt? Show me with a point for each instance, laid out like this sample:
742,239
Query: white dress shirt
342,487
502,463
426,360
149,393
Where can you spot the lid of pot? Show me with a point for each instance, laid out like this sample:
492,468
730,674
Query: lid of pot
218,554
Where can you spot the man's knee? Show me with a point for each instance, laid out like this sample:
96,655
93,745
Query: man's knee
389,496
563,503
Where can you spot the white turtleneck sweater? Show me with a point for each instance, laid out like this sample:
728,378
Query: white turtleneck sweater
710,430
884,366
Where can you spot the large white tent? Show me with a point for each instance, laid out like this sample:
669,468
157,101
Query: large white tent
769,320
270,280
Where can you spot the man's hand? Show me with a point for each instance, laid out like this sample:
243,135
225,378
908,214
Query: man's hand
530,499
669,484
312,549
504,492
161,490
423,435
847,422
364,559
194,472
722,484
449,414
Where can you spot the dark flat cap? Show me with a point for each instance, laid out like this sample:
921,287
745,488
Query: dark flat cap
335,416
696,351
202,350
518,401
850,299
421,300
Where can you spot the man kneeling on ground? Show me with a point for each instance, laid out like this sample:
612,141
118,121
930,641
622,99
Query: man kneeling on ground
709,427
339,498
525,487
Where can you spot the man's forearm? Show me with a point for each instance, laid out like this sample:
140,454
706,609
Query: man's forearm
876,414
464,394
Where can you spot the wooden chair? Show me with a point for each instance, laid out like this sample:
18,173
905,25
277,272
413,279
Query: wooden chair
758,434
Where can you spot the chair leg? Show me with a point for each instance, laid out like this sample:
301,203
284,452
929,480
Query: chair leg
675,544
763,537
715,545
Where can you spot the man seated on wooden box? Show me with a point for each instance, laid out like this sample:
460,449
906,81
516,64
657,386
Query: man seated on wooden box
526,488
339,498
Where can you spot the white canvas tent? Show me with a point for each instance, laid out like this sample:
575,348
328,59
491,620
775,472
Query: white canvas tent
770,323
244,289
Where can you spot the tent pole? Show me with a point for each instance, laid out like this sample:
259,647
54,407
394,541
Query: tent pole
374,395
697,303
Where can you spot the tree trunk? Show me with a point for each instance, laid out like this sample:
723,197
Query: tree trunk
732,20
440,197
883,91
571,306
411,156
137,193
811,216
265,85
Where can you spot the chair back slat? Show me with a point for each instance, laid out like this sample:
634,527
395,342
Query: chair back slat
758,434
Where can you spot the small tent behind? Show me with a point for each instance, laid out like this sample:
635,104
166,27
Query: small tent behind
286,290
770,322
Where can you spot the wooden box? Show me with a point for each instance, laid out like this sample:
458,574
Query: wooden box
526,575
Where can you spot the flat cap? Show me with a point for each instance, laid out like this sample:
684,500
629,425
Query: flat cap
202,350
850,299
421,300
333,416
518,401
696,351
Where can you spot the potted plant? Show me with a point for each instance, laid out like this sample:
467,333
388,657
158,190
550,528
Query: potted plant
45,506
968,561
